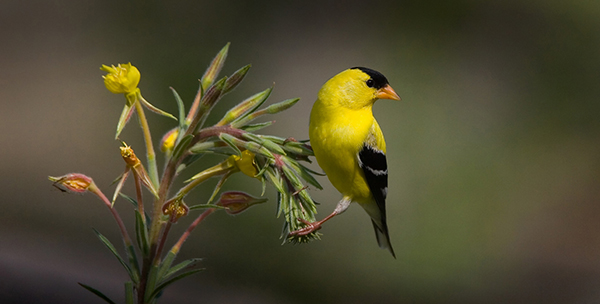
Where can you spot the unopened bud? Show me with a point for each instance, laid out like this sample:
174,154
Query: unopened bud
248,105
215,67
73,182
237,201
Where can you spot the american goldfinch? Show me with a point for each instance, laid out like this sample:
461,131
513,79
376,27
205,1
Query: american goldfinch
349,145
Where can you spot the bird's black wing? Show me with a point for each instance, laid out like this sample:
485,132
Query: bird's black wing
374,165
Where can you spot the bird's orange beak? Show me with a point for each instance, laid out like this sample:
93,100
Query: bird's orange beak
387,93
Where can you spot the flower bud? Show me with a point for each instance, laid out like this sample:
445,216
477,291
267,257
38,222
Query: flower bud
215,67
247,106
121,79
236,201
167,143
73,182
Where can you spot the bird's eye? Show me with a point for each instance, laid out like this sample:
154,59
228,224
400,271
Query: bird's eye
370,83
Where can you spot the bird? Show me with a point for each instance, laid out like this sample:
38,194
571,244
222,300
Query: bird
349,145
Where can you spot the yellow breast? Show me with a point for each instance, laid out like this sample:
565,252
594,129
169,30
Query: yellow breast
337,134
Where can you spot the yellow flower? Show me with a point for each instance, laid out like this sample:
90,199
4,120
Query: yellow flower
121,79
246,163
167,143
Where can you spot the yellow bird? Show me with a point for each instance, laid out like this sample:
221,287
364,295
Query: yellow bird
349,145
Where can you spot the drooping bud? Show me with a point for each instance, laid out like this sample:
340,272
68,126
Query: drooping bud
73,182
237,201
121,79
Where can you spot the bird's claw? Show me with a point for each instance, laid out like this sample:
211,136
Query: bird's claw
310,228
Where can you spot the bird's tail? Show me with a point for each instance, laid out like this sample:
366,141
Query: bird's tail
383,237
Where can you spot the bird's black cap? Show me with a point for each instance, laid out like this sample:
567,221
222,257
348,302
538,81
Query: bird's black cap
379,81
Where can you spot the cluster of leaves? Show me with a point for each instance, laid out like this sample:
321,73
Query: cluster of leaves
278,159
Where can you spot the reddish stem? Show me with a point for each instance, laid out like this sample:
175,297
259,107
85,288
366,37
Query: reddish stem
189,230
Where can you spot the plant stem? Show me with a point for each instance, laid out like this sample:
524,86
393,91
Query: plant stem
150,155
115,215
194,107
138,192
201,177
189,230
163,240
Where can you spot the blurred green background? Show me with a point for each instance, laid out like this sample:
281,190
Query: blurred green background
494,151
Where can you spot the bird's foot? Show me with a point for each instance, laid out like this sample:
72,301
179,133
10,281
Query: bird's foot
310,228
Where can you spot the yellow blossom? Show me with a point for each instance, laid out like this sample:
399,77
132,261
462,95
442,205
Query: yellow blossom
121,79
168,141
246,163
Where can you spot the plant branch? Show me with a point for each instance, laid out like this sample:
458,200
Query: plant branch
189,230
150,155
115,215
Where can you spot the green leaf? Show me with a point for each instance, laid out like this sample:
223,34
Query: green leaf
302,171
245,107
112,249
187,161
122,178
182,146
212,96
281,106
165,265
135,268
151,283
213,70
272,109
97,292
181,110
185,264
141,233
129,298
162,286
124,118
219,185
256,126
135,204
258,149
154,109
297,148
231,142
275,179
273,146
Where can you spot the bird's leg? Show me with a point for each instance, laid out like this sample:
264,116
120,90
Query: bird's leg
314,226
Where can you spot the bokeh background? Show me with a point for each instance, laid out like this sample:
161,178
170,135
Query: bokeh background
494,151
